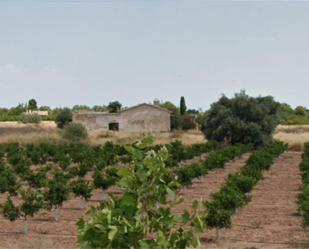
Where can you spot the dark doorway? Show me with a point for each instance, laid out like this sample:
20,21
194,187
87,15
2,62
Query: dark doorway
113,126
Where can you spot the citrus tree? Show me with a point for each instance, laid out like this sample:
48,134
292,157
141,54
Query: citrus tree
81,188
57,192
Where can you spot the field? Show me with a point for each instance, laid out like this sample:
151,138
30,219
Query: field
270,219
11,132
294,135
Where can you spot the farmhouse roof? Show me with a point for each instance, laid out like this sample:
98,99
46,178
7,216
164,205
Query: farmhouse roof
145,104
124,110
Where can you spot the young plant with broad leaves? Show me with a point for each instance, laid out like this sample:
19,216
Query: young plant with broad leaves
141,217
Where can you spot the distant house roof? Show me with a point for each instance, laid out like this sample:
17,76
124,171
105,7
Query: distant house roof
148,105
124,110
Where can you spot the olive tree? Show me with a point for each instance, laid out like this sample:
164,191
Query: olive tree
242,119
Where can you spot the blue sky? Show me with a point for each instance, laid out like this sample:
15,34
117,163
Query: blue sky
91,52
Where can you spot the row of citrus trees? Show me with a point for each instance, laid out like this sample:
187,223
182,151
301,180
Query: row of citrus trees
304,196
33,177
142,218
233,194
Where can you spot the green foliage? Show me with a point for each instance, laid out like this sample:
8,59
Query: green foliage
9,210
215,159
183,106
8,179
303,199
63,117
242,119
32,105
290,116
57,190
232,194
141,217
217,216
114,106
177,152
81,188
74,132
30,118
32,202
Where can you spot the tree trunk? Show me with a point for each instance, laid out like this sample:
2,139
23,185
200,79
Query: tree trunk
55,213
217,234
102,196
25,227
82,202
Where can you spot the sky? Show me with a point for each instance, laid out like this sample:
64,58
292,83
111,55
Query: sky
65,52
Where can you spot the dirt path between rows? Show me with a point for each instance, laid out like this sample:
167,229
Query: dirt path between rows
271,220
203,187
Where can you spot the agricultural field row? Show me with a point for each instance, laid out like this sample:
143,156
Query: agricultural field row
44,176
234,193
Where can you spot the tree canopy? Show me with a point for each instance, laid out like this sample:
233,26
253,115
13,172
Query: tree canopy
242,119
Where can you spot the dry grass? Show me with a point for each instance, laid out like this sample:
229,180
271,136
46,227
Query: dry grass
294,135
47,131
187,138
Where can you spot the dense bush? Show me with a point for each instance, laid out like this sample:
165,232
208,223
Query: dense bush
290,116
63,117
30,118
242,119
75,132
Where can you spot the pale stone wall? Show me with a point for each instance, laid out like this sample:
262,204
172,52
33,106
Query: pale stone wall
96,121
142,118
145,119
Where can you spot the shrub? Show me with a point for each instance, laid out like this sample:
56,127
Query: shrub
9,210
30,118
63,117
75,132
242,119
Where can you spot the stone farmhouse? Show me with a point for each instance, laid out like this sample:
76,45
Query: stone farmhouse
139,118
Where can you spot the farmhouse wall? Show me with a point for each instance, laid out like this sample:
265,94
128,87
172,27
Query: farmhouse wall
141,118
145,119
96,121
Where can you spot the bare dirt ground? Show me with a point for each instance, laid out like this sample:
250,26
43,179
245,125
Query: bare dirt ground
271,219
203,187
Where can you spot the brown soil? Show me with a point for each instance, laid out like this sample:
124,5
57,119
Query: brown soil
271,219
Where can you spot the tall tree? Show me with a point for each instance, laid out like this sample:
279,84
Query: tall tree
183,106
32,104
114,106
242,119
